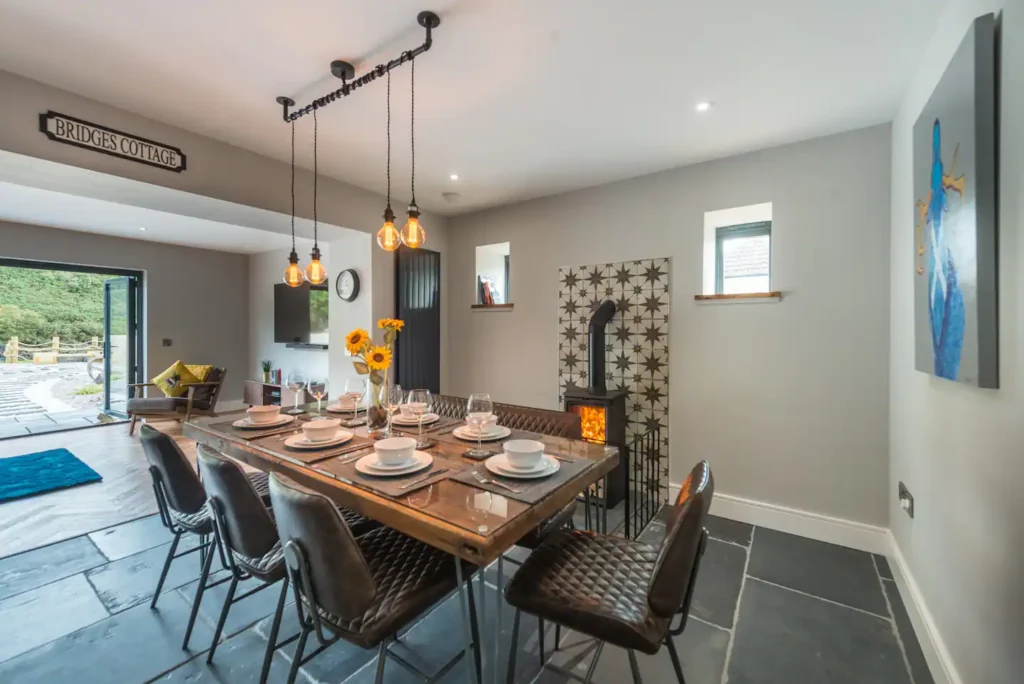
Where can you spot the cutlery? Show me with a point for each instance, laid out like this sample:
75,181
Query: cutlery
563,458
424,478
483,480
288,434
350,459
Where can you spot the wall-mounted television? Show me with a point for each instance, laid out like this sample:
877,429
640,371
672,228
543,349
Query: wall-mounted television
300,315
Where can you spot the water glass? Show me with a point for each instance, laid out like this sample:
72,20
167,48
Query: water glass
479,410
420,402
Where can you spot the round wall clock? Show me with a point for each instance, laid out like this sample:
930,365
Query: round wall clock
348,285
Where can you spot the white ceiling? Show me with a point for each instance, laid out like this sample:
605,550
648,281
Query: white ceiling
40,207
521,99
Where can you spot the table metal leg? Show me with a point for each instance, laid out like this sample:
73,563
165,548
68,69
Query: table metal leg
466,636
483,618
497,614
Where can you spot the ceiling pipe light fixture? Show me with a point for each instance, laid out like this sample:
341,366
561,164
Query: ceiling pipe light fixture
413,234
388,236
315,271
293,274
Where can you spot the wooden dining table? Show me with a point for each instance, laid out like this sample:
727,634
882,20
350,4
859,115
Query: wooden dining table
470,522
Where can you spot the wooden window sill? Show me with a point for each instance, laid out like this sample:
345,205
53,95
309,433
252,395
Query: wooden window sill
748,298
491,307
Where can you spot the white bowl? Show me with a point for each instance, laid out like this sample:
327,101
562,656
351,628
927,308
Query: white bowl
395,450
263,414
524,453
321,430
487,426
412,409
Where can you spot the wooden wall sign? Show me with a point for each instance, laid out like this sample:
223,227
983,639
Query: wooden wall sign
90,136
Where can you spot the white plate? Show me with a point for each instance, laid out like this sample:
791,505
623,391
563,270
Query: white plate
337,408
247,424
299,441
366,465
377,465
464,432
499,466
428,418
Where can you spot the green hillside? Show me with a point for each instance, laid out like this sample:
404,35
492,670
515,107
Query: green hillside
35,305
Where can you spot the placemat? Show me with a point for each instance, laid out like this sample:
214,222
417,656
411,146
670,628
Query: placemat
308,456
497,446
247,434
530,491
344,468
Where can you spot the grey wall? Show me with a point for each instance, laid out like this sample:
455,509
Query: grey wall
195,297
787,400
958,448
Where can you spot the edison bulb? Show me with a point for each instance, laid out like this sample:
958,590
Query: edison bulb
315,272
293,274
388,237
413,234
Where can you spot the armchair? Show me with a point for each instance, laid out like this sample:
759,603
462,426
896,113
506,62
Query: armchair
201,399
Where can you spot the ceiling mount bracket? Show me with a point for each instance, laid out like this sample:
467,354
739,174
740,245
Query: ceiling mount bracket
346,72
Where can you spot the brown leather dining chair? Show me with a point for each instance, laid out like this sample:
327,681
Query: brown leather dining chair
619,591
363,590
245,529
181,503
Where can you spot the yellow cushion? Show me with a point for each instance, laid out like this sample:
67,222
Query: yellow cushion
199,371
173,381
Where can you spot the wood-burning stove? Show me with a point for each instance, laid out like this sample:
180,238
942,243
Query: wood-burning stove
602,413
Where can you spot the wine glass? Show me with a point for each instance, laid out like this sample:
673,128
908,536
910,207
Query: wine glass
419,402
479,410
317,388
391,399
355,388
295,382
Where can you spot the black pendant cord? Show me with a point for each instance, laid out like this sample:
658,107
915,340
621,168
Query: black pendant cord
316,173
345,71
294,254
389,143
412,128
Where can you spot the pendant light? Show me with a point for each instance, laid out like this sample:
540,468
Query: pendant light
315,272
413,234
388,236
293,274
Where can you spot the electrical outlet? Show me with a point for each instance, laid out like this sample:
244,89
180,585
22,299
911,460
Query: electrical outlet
906,500
166,342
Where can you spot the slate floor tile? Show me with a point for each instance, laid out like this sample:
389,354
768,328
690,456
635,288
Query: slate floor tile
244,613
702,649
238,661
47,564
134,646
912,647
729,530
882,563
783,636
833,572
13,430
132,537
130,581
40,615
718,583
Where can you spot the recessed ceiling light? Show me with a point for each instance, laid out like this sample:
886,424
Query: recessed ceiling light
454,176
142,227
703,106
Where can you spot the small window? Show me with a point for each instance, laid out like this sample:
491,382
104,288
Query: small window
492,274
743,258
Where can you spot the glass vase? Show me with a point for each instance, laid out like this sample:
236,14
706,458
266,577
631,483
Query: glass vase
376,414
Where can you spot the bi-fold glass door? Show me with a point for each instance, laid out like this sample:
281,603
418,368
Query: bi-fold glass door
121,342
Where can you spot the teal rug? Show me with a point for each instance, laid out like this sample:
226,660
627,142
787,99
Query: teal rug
45,471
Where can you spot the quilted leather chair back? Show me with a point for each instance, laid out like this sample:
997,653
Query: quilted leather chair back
342,582
542,421
250,529
678,554
185,492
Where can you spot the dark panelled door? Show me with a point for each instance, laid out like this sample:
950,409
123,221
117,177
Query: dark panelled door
418,303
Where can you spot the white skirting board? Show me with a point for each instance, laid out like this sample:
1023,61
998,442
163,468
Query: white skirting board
847,533
854,535
935,652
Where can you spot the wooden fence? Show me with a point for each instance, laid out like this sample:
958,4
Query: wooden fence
51,353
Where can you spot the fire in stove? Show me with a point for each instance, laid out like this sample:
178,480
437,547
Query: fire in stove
593,420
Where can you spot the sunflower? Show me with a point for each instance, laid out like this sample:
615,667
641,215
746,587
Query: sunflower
390,324
378,358
356,341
